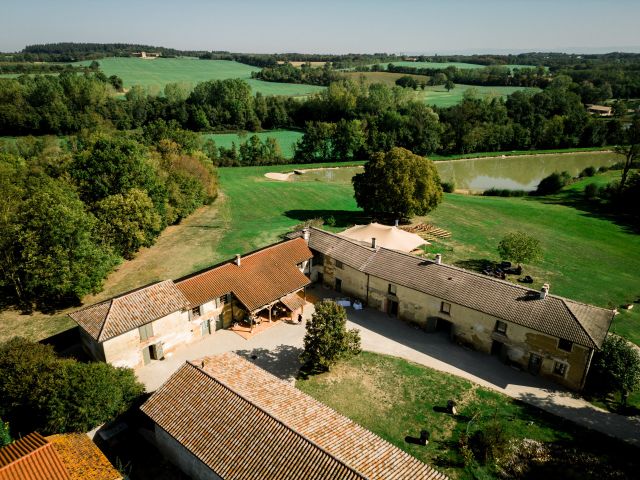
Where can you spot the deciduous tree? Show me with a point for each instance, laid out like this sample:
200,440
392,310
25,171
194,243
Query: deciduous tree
616,367
398,184
519,247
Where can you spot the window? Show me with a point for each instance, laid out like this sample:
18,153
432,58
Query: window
146,331
196,312
445,307
565,345
339,264
224,299
392,289
501,327
560,369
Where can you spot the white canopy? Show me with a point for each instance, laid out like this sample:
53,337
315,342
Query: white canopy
386,236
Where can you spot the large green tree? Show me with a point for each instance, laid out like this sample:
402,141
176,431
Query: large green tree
128,221
519,247
398,184
39,391
327,338
616,368
56,255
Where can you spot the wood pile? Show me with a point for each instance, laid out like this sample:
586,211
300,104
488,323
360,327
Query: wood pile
427,231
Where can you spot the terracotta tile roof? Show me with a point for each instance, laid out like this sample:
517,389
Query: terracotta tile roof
131,310
293,301
82,458
31,458
262,277
245,423
556,316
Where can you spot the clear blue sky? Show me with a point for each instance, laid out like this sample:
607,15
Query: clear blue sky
328,26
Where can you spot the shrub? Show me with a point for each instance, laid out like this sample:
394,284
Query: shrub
588,172
504,192
553,183
519,247
591,191
491,442
448,187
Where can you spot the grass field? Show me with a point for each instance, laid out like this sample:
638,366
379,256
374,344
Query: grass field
387,78
438,95
155,74
286,139
586,257
442,66
395,398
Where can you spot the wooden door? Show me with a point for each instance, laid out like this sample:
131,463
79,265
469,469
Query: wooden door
535,362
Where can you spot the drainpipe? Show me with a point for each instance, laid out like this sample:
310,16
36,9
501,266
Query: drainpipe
367,289
586,370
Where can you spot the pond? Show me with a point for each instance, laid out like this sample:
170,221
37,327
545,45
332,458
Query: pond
517,173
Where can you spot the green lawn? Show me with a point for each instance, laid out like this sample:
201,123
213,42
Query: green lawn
155,74
438,95
286,139
586,257
395,398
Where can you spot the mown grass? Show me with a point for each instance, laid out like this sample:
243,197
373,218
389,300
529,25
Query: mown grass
286,139
155,74
395,398
439,97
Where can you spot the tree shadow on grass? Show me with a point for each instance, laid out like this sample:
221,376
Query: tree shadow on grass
591,208
335,218
475,264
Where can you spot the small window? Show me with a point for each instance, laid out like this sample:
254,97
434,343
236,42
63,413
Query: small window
392,289
339,264
565,345
223,299
146,332
445,307
196,312
560,369
501,327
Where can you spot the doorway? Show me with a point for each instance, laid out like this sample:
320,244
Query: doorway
535,362
219,322
496,348
393,308
338,285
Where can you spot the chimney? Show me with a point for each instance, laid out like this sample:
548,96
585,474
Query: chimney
238,259
373,242
305,234
397,222
438,258
544,291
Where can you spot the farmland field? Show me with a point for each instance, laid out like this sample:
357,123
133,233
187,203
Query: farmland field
286,139
155,74
439,97
444,65
387,78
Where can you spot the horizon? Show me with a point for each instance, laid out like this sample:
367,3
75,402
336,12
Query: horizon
286,26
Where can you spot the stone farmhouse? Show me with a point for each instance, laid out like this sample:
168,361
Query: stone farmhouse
545,334
542,333
223,417
143,325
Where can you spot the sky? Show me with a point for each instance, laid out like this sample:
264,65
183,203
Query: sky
329,26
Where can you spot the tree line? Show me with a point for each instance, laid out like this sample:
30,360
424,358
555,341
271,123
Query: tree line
345,121
73,208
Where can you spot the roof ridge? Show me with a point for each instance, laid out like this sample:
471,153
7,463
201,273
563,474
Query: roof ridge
573,315
287,427
106,317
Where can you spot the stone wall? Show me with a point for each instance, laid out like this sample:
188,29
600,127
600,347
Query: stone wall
182,458
468,327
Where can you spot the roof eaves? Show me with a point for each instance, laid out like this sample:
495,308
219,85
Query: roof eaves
295,432
104,324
